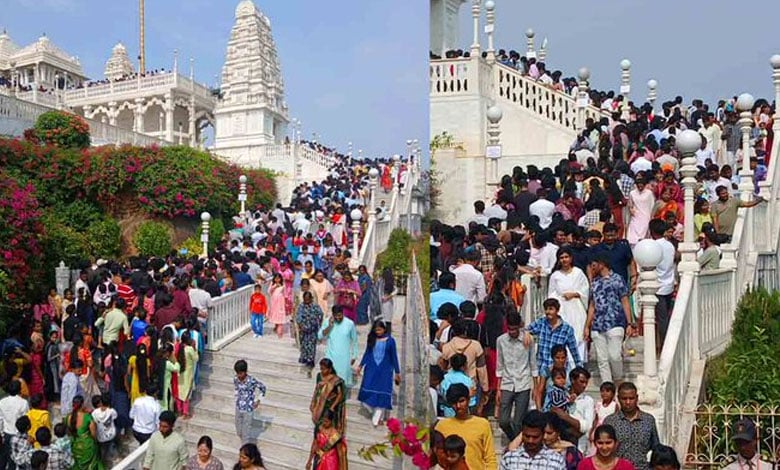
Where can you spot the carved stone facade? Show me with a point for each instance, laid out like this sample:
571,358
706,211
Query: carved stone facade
119,64
444,25
40,65
251,111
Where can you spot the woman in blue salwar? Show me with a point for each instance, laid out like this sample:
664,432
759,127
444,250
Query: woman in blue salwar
380,369
366,284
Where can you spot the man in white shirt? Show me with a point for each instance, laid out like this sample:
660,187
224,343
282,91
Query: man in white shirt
469,282
665,271
542,208
497,210
704,153
582,410
302,223
12,408
479,216
145,414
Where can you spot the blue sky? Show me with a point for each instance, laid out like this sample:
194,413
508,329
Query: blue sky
354,70
707,50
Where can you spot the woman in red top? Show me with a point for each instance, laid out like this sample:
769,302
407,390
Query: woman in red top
606,452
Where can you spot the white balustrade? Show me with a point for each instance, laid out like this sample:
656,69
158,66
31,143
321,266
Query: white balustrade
715,310
677,357
451,76
135,460
541,100
228,318
535,295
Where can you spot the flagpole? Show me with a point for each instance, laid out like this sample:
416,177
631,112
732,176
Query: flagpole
142,33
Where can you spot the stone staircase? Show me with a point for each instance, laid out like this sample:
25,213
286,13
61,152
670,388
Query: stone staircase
282,423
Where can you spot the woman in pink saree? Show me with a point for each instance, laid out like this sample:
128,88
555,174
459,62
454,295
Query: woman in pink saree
347,295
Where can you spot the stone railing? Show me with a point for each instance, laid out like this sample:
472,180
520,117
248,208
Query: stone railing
535,295
154,83
135,460
228,318
48,98
415,401
101,133
452,77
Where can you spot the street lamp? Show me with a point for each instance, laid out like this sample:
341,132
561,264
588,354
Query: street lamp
647,254
205,218
582,96
242,194
356,215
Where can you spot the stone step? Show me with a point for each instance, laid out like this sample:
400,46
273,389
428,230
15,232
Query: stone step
289,442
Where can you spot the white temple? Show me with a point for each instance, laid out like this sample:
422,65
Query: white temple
40,65
444,25
251,110
248,111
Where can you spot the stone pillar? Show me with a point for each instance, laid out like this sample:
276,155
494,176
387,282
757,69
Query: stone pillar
62,278
138,116
688,142
475,11
775,61
112,113
582,97
625,86
490,16
205,218
192,130
543,51
169,107
744,106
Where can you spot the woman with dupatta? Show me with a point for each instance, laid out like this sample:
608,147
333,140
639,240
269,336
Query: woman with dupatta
329,394
338,223
347,294
328,449
569,285
83,430
366,285
387,179
380,369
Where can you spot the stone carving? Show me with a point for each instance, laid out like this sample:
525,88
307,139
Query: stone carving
118,65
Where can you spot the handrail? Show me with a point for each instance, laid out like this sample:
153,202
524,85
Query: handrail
228,318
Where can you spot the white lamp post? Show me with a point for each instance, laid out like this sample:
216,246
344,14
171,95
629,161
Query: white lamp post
205,218
647,254
373,175
494,115
356,215
688,142
744,106
775,61
625,86
242,194
475,12
397,168
409,147
582,97
490,17
652,93
530,50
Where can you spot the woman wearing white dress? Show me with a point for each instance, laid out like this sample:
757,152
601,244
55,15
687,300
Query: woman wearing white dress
569,285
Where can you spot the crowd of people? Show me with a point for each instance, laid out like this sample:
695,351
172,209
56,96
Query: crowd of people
117,356
571,229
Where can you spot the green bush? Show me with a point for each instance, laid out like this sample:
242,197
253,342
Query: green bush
193,246
104,238
153,239
747,371
216,231
398,255
62,129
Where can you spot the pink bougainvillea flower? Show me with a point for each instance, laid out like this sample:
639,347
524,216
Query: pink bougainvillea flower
394,425
410,433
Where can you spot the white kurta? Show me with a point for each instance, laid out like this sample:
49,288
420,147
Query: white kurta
574,311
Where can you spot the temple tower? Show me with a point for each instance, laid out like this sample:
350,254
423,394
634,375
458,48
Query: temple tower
444,25
251,110
118,65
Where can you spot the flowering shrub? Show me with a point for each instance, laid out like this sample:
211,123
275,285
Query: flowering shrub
20,236
61,129
153,239
404,438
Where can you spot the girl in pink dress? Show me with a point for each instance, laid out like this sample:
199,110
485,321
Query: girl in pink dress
604,407
276,312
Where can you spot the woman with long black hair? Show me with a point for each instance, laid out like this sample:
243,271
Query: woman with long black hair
116,369
380,368
493,321
139,372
